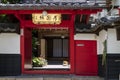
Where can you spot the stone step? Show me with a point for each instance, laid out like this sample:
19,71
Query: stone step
52,78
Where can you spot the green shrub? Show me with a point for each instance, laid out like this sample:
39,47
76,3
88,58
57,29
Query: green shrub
39,62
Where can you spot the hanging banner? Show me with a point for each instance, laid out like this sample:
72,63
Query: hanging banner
46,19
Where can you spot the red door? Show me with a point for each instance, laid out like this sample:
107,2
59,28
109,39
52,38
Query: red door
86,58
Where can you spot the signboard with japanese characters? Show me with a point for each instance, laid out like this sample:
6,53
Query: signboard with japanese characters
46,19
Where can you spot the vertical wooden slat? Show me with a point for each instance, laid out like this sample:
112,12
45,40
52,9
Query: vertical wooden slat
65,47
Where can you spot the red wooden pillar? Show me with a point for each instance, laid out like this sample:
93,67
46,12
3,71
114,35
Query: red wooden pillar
22,41
72,53
28,46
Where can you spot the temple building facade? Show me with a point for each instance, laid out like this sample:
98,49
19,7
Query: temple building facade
79,37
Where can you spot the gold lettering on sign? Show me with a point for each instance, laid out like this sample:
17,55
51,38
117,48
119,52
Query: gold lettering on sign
48,19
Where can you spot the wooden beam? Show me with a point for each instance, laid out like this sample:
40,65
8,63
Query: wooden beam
69,11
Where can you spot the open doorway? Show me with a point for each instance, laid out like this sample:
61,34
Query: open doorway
50,49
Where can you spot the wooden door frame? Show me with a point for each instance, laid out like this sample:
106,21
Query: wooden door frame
70,26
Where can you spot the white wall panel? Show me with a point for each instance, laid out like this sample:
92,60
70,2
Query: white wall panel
85,37
9,43
113,46
116,2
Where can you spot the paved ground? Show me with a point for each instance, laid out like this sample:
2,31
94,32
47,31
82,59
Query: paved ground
51,77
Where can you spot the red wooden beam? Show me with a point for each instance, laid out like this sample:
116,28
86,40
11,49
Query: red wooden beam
49,11
8,11
83,11
80,11
18,17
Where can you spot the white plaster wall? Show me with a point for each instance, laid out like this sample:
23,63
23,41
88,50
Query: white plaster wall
100,39
85,37
113,46
103,13
115,12
9,43
116,2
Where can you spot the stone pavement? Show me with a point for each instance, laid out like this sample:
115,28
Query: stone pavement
51,77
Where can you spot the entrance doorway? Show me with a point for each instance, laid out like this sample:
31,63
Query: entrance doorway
50,49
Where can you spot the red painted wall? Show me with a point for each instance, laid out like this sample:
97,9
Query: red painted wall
86,58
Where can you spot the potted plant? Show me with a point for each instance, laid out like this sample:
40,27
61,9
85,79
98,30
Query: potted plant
39,62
